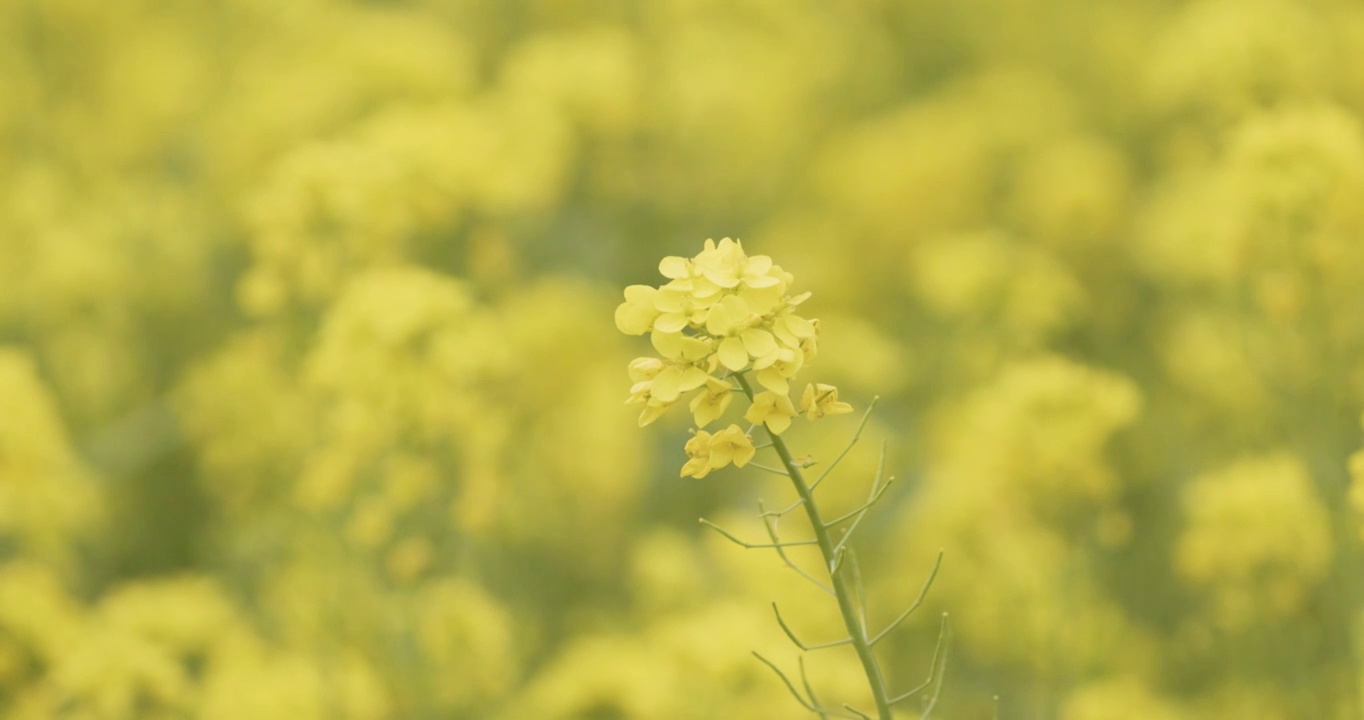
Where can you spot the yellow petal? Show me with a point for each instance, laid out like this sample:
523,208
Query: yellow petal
755,413
762,300
732,354
676,346
744,454
710,405
650,413
718,321
735,446
667,385
772,409
699,444
773,380
696,467
724,277
737,307
758,342
692,378
727,316
674,267
799,326
640,294
670,299
644,368
634,319
703,412
670,322
778,423
721,456
703,289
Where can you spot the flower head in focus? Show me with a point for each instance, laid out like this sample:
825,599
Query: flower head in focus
722,314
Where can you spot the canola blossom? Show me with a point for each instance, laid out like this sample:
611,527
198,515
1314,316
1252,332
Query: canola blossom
721,313
708,452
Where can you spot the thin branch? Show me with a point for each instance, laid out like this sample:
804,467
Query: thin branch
876,489
785,510
774,544
856,435
939,655
941,663
796,693
779,546
856,712
877,493
789,633
923,592
769,468
814,699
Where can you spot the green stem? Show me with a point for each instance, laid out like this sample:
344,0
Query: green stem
847,604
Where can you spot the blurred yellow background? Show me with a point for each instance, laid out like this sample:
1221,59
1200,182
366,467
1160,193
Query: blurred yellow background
311,398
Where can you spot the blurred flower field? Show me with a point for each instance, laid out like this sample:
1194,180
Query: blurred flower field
311,398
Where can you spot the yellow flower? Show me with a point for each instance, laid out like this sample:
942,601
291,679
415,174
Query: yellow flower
698,456
680,348
659,384
636,315
731,445
653,408
677,268
792,329
645,368
772,409
721,308
706,452
810,346
680,308
821,400
774,369
728,266
674,380
711,404
732,319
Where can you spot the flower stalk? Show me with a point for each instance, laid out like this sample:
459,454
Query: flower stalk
722,315
847,605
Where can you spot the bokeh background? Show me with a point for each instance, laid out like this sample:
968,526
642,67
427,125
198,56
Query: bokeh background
311,398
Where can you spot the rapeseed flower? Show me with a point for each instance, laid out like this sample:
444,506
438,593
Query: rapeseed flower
637,314
772,409
820,400
722,313
712,403
707,451
731,445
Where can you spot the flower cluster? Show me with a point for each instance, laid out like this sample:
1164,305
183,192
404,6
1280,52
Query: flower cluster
722,314
706,452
